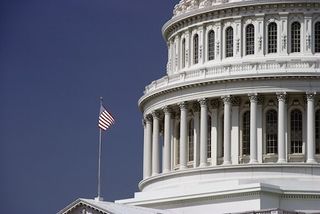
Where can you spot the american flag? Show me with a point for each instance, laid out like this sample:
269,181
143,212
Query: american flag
105,119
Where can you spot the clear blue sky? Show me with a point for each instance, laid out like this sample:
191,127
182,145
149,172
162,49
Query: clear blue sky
57,57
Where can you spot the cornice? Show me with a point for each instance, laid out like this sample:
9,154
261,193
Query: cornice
233,9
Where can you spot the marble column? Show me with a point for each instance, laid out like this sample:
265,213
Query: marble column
310,128
227,130
281,127
253,128
148,147
183,135
167,140
214,132
155,144
196,134
203,132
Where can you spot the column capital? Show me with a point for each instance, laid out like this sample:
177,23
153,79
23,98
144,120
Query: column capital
282,96
310,95
226,99
143,122
203,102
156,115
148,118
167,110
183,105
253,98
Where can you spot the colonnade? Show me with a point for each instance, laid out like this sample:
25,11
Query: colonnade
164,118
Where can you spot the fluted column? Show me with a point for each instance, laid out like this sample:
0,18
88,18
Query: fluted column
183,135
253,128
167,140
196,134
148,148
281,127
155,144
310,128
214,132
203,132
227,130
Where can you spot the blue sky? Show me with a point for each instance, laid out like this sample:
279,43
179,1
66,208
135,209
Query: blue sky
57,57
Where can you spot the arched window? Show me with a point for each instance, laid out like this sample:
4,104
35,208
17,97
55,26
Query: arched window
195,49
295,37
296,131
209,138
183,53
190,140
250,39
229,42
317,131
272,37
211,45
272,132
317,37
246,133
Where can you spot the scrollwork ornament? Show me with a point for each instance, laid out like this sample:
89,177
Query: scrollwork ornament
253,98
148,118
310,96
203,102
282,96
226,99
167,110
183,105
156,115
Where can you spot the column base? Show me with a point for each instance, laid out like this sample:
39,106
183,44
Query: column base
154,174
183,167
226,163
253,162
312,161
203,165
281,161
166,171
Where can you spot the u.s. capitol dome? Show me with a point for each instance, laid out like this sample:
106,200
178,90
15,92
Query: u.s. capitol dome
234,124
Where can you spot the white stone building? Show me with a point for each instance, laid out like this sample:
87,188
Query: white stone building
234,125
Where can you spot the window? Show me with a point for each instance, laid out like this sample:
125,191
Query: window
317,37
211,45
295,37
209,138
296,131
246,133
190,140
195,49
318,132
250,39
183,53
229,42
272,132
272,38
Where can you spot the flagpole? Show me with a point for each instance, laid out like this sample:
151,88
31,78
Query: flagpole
99,198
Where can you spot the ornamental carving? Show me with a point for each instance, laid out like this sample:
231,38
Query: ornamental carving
156,115
310,96
183,105
226,99
203,102
167,110
253,98
282,96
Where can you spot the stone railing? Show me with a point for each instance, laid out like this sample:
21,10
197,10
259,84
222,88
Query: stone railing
223,72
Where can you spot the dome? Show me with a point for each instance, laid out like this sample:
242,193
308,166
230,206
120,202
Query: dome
234,123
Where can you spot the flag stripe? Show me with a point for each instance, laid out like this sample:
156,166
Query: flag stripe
105,119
